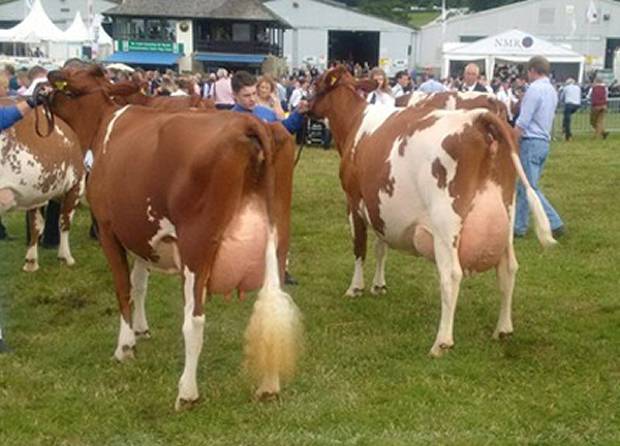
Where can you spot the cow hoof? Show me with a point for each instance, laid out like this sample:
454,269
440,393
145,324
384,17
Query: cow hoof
378,290
502,335
69,261
439,350
125,353
30,266
183,404
266,395
354,292
145,334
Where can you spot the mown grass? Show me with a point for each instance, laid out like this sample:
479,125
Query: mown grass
365,378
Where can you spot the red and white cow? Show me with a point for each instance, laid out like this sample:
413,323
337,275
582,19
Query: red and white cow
34,170
435,183
203,195
454,100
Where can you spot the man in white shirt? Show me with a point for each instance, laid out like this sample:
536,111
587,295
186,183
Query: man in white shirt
571,98
403,84
471,77
506,96
299,93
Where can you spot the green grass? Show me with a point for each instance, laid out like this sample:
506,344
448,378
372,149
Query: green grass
418,19
580,123
365,378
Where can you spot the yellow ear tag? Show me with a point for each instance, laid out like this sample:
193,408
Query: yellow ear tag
333,81
60,85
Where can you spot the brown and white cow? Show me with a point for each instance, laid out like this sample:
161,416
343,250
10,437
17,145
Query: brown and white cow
34,170
435,183
454,100
202,195
130,93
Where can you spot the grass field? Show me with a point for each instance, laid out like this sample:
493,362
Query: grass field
365,378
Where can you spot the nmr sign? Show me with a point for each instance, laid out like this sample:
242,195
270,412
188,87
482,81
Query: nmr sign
506,43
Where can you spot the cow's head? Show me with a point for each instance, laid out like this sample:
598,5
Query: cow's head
76,94
335,79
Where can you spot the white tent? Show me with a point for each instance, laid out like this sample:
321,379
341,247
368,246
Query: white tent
103,45
98,34
77,32
35,28
510,46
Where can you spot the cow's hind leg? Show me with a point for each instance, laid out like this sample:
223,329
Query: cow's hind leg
359,233
506,275
139,285
69,202
35,223
450,274
196,269
378,283
117,260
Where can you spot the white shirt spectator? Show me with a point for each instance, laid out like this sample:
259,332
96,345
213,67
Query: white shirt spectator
571,94
381,97
296,96
398,91
508,99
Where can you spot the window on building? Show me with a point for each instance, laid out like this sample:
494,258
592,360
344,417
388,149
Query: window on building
546,16
241,32
469,39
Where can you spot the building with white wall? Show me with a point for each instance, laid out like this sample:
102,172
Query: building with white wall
561,22
324,30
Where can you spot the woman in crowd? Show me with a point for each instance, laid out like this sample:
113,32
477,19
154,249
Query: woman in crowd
383,93
268,96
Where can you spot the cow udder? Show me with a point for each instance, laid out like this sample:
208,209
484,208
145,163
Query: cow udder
240,259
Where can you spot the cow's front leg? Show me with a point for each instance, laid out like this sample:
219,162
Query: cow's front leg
378,283
35,224
359,233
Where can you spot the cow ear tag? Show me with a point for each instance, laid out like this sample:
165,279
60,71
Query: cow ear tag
332,81
60,85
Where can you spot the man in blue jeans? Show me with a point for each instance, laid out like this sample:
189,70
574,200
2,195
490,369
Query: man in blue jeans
9,116
246,101
533,131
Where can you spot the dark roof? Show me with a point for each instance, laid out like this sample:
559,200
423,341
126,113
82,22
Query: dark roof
214,9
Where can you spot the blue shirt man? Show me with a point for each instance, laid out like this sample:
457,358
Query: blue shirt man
533,129
293,123
244,91
9,116
538,110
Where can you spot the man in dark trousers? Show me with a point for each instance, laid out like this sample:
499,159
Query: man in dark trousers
470,79
244,92
9,116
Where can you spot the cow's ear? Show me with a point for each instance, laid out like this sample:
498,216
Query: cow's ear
366,85
57,79
97,71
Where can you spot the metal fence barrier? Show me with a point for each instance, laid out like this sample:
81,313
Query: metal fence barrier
580,122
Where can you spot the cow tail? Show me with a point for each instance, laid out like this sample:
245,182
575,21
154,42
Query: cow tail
500,131
273,335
